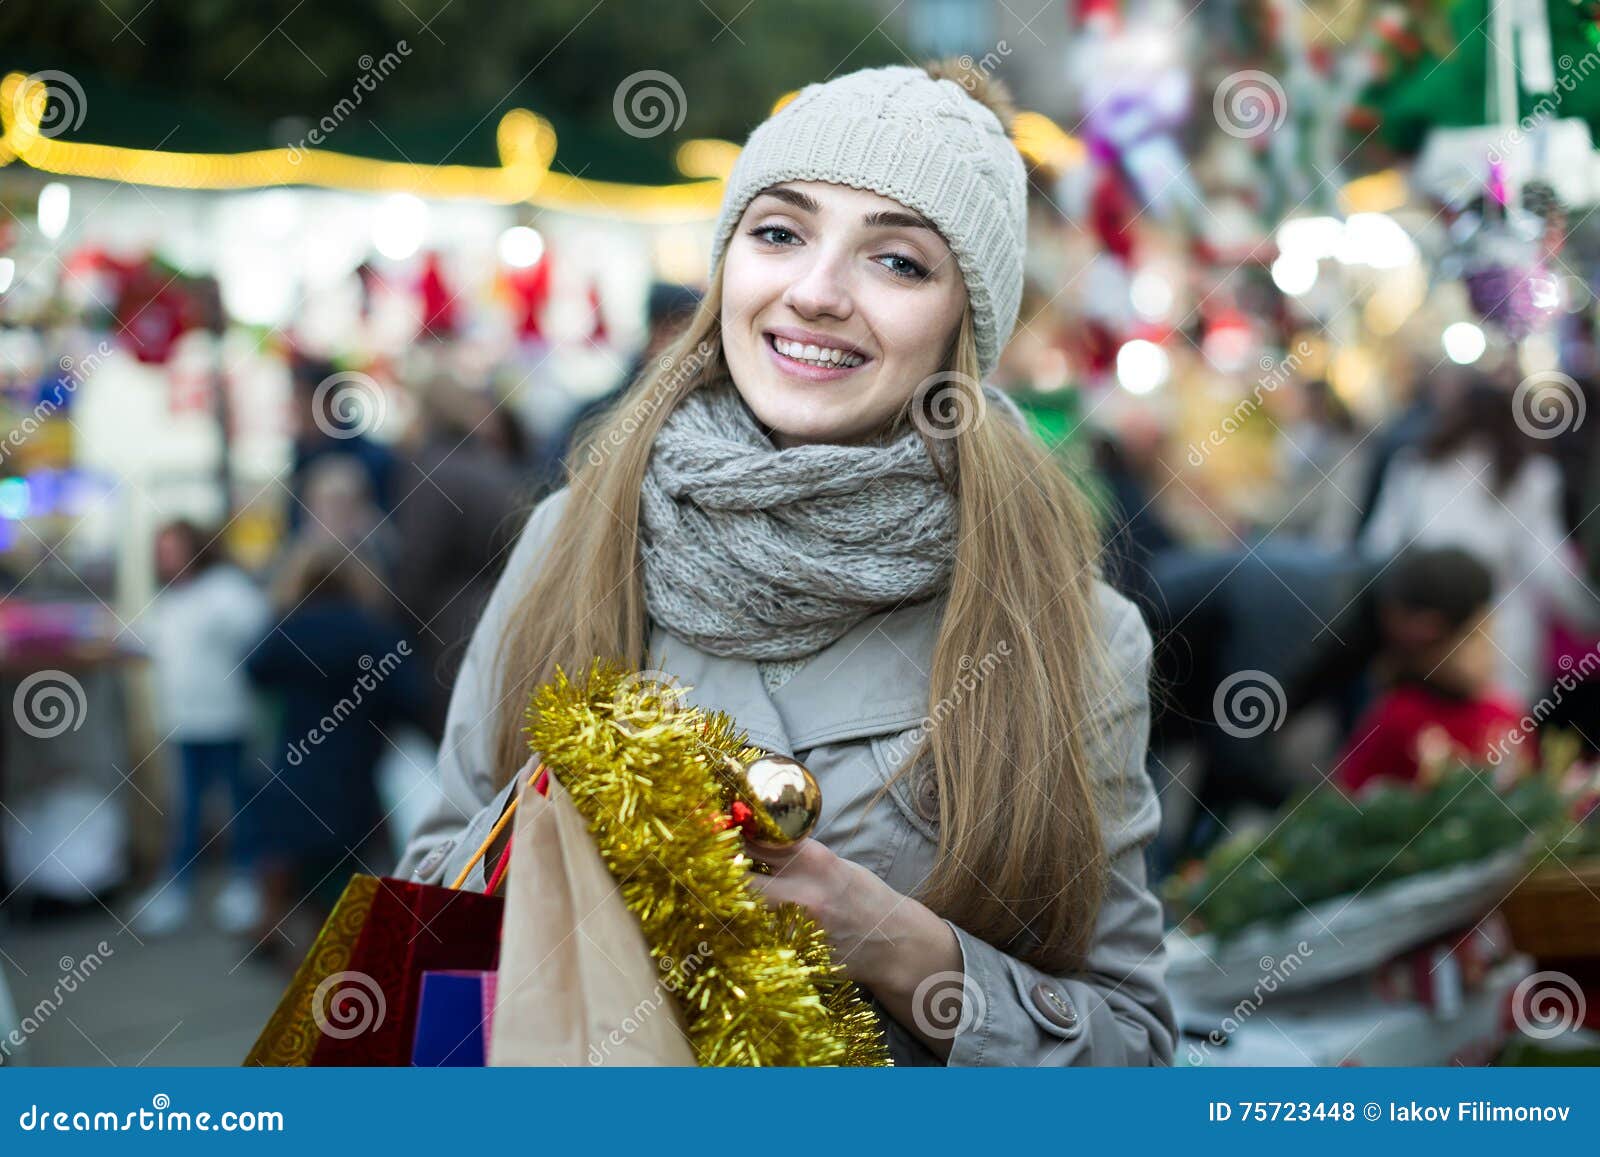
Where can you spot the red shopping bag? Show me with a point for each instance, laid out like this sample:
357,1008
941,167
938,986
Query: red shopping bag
353,1000
371,1017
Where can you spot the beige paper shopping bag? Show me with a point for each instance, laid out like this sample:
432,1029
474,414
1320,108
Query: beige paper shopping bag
577,985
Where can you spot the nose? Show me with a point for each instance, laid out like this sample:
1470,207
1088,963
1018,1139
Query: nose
823,289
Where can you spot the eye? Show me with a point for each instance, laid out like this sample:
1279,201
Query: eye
902,266
775,234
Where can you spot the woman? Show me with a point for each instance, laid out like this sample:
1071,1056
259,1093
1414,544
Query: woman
808,514
343,677
465,489
1476,483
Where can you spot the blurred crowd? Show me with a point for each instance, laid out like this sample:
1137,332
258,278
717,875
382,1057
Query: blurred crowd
1426,589
347,643
1429,589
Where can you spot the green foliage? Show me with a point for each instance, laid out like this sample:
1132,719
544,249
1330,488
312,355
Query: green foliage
1328,844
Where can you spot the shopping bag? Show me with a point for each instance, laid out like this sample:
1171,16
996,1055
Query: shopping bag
291,1032
370,1019
353,1000
452,1019
576,983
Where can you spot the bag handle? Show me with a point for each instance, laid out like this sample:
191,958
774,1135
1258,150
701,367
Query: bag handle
499,872
541,784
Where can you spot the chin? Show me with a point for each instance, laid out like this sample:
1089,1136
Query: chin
798,405
793,416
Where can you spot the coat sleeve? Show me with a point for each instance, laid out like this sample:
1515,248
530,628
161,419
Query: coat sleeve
1115,1011
469,802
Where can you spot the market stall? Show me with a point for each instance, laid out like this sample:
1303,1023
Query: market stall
155,311
1395,925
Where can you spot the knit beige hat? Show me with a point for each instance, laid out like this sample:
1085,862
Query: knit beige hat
923,142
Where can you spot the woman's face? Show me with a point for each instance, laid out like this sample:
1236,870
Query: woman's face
836,304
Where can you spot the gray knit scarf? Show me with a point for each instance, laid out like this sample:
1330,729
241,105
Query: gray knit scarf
767,554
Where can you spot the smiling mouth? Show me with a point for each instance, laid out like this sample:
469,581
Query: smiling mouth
816,356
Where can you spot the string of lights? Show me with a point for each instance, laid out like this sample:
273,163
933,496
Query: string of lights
526,143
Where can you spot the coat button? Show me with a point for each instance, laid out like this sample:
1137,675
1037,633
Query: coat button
1054,1006
928,796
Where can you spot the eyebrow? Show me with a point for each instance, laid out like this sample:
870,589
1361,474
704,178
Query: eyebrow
884,218
793,197
896,219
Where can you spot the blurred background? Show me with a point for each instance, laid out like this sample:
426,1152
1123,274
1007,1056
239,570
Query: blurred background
300,304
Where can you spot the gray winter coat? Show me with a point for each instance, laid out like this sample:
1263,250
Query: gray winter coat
848,713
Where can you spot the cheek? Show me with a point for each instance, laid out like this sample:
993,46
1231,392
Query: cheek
749,285
915,329
745,294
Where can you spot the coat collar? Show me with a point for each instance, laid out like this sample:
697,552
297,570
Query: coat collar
872,681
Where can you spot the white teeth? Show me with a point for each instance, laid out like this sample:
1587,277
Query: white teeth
816,355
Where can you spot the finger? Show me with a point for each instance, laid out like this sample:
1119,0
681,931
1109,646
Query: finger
773,890
776,858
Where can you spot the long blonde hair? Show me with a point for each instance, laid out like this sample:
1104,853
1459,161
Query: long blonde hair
1019,861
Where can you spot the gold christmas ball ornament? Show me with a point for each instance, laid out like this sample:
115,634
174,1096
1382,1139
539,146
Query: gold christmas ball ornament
785,799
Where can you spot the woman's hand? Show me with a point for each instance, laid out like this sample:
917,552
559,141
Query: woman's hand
888,943
849,902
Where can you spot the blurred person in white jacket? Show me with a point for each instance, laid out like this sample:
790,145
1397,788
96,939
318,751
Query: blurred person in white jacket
1477,482
205,620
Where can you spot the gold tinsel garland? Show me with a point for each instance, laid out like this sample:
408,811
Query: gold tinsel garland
756,986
